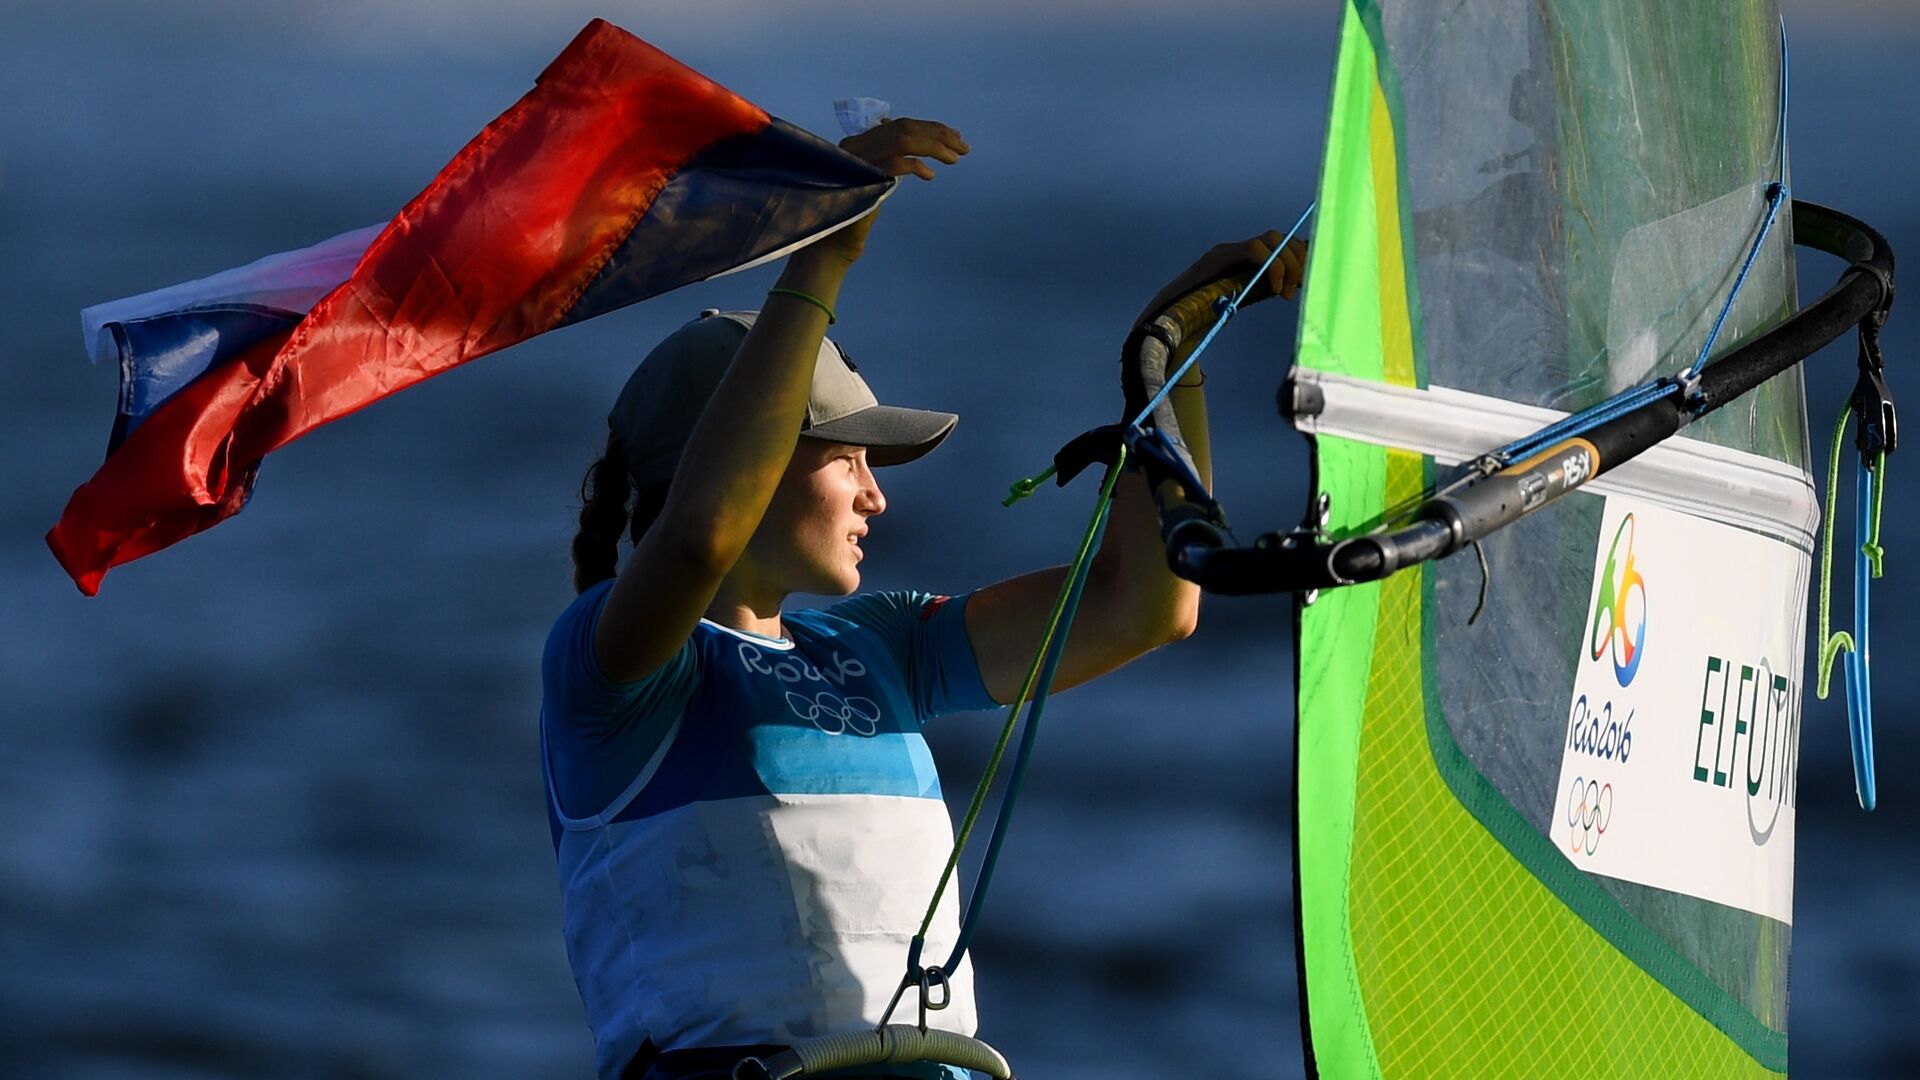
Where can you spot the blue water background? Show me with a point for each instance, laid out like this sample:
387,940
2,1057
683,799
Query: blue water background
268,806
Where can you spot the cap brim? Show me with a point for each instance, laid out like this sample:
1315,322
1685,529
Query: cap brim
892,435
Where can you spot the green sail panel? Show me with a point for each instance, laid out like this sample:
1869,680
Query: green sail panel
1525,207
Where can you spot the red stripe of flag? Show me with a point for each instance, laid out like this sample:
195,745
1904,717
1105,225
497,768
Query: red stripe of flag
496,249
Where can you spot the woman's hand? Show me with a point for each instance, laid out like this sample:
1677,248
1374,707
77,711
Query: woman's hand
1282,278
897,148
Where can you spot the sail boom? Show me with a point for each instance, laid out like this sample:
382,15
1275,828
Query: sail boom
1724,485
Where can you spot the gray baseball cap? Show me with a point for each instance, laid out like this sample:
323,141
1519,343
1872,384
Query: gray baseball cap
660,404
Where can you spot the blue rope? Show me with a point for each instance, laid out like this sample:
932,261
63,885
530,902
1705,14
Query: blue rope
1628,400
1056,644
976,900
1859,685
1851,649
1586,419
1155,444
1776,197
1225,314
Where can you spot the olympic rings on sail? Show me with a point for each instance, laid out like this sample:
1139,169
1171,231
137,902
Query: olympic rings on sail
1589,811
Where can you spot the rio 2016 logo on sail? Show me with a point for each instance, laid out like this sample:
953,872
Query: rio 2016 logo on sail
1619,584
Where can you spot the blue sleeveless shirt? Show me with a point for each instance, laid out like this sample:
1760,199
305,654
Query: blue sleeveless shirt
747,839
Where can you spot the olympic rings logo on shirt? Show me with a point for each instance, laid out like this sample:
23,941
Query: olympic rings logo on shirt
1589,811
836,715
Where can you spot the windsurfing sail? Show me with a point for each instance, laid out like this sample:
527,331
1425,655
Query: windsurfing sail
621,175
1546,797
1546,794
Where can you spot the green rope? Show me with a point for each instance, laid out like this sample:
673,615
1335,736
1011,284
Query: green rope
1023,488
1832,642
1080,560
1872,549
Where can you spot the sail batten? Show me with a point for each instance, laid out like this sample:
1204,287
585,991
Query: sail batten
1734,487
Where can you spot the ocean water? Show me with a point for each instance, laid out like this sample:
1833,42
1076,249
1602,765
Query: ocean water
269,804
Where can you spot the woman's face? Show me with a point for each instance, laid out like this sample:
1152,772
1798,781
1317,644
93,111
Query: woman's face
809,540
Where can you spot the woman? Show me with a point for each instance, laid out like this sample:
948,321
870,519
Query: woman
749,824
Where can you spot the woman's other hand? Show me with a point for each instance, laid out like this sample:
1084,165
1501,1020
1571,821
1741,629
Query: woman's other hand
1224,260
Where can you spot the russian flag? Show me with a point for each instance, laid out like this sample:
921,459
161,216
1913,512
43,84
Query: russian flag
621,175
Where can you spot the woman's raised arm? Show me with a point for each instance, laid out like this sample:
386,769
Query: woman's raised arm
740,447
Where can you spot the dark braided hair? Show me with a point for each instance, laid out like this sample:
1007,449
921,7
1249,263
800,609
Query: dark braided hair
604,493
